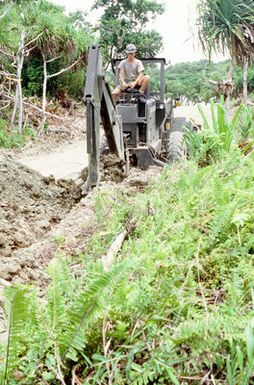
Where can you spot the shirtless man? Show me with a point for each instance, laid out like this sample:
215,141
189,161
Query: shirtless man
131,73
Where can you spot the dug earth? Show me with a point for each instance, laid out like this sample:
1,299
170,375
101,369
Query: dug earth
30,205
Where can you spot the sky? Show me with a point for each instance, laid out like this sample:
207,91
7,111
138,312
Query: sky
176,25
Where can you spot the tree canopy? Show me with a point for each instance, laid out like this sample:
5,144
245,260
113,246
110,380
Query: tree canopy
126,21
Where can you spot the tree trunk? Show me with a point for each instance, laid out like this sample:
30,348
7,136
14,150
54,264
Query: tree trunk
229,79
20,62
14,111
245,80
45,80
18,101
44,91
230,71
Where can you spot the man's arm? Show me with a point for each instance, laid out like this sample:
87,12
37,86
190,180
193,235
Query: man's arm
122,77
133,84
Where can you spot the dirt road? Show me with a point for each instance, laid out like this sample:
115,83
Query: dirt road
68,160
192,112
65,162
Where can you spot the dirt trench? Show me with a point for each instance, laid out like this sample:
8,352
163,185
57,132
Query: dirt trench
30,206
40,216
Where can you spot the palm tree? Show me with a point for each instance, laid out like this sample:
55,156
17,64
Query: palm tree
228,25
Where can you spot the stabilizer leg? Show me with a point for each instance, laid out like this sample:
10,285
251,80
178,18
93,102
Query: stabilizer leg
93,147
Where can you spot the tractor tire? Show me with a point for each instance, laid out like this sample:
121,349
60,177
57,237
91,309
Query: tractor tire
176,148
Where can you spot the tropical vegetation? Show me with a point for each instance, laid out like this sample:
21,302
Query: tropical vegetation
228,25
125,21
41,34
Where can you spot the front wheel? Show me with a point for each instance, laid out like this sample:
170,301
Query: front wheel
176,148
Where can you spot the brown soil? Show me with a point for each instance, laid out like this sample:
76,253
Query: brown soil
69,237
40,218
30,205
112,168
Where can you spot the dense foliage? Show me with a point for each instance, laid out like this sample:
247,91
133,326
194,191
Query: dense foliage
228,25
60,35
38,44
191,79
12,139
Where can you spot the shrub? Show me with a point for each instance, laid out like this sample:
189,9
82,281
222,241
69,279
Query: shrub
219,137
12,139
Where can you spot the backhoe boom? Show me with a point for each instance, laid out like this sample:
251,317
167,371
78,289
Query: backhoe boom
99,107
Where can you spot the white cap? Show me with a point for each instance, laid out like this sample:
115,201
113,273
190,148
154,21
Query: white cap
131,48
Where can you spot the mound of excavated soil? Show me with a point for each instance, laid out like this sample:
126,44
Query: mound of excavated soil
112,168
30,205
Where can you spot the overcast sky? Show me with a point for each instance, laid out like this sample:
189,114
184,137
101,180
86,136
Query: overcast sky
176,25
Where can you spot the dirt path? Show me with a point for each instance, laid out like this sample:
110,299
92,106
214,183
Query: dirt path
192,112
65,162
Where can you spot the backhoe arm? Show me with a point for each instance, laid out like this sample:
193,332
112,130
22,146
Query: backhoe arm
99,104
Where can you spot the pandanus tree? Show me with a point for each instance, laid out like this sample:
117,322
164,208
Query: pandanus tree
39,30
18,37
62,45
228,26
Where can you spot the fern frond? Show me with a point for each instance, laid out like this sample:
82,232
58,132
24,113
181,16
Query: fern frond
222,222
88,304
17,310
60,285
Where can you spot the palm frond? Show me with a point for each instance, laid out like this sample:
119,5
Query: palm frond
227,23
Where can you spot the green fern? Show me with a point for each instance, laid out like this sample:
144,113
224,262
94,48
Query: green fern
222,222
17,310
61,284
87,305
240,363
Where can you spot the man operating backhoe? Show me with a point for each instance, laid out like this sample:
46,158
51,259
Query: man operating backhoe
131,73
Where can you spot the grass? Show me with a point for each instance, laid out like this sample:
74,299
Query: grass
187,292
12,139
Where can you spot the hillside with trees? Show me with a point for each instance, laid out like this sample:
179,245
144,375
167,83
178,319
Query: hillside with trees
192,80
